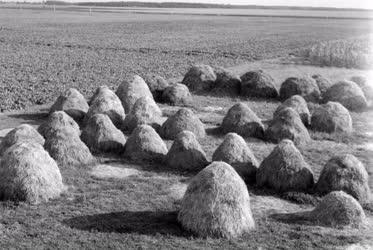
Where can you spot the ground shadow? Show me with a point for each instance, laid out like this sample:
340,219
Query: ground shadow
145,222
30,118
299,218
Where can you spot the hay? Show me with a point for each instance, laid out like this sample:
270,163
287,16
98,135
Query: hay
132,89
100,135
323,83
28,173
22,133
157,84
217,203
303,86
365,86
227,83
73,103
347,93
258,84
242,120
287,124
186,153
299,105
99,93
234,151
331,117
285,169
184,119
338,209
200,78
58,121
177,94
145,144
345,173
144,111
106,102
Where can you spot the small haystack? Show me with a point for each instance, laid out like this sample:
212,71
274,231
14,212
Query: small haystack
227,83
338,209
242,120
145,144
258,83
22,133
285,169
186,153
322,82
144,111
184,119
217,203
299,105
345,173
73,103
303,86
29,174
177,94
347,93
58,121
331,117
200,78
100,135
365,86
287,124
99,93
234,151
132,89
157,84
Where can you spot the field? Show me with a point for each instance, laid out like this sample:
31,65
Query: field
44,53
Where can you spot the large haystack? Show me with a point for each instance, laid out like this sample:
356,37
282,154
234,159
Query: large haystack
345,173
331,117
242,120
285,169
299,105
303,86
145,144
144,111
227,83
322,82
100,135
338,209
177,94
217,203
200,78
258,84
157,84
73,103
22,133
184,119
58,121
234,151
347,93
28,173
186,153
365,86
107,102
99,93
132,89
287,124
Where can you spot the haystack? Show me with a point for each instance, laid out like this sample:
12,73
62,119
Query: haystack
258,84
242,120
29,174
184,119
22,133
100,135
365,86
144,111
285,169
331,117
338,209
287,124
345,173
99,93
303,86
200,78
73,103
322,82
299,105
57,121
227,83
106,102
145,144
177,94
347,93
234,151
132,89
186,153
217,204
157,84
